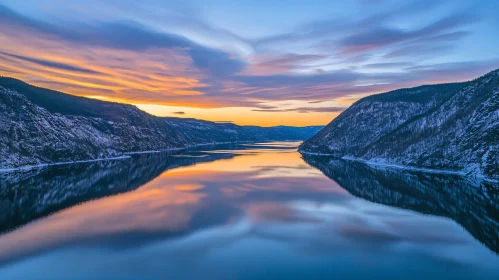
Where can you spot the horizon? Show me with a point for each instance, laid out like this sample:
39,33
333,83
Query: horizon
176,115
245,63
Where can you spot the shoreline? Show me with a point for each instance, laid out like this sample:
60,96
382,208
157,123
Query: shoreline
29,167
125,155
470,176
406,167
374,164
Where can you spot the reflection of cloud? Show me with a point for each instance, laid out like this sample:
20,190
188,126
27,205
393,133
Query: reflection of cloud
144,210
188,188
367,234
224,207
277,212
179,201
353,226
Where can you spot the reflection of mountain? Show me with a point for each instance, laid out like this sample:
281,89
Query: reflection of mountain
27,196
474,206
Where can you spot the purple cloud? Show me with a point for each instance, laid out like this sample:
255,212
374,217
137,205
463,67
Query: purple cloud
304,110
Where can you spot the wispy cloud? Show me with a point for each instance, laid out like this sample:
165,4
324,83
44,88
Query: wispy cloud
304,110
262,65
382,36
174,54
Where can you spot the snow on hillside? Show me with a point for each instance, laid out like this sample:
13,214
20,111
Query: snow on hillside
40,126
447,127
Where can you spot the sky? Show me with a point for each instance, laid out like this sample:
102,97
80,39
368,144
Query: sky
250,62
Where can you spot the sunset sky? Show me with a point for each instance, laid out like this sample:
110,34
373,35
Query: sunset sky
251,62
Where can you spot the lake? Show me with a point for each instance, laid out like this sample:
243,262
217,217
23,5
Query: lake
245,211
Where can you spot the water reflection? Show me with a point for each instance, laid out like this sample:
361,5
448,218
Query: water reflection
25,196
241,212
474,205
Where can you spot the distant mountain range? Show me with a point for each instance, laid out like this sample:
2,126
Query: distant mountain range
42,126
446,126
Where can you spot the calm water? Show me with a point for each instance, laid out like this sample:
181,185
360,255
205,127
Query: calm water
256,211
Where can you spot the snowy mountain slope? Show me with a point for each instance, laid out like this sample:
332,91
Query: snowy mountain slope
449,126
375,116
40,126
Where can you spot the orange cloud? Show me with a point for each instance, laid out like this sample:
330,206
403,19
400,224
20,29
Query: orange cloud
164,73
149,76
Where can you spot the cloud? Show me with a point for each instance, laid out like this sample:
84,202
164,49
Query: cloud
316,101
279,63
179,113
158,56
304,110
388,65
47,63
339,26
371,1
418,51
381,36
124,35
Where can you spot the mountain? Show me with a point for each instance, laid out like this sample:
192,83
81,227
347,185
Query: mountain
447,126
283,132
39,126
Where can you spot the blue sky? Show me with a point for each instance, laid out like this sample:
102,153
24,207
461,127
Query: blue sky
246,61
